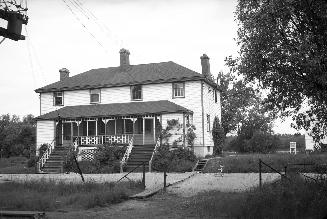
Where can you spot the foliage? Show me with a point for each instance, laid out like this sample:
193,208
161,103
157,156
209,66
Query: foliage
296,198
177,160
173,125
17,137
248,163
15,165
106,160
236,98
43,148
107,154
190,135
283,46
44,195
217,136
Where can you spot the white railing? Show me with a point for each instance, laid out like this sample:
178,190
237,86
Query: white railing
45,156
101,139
154,151
126,155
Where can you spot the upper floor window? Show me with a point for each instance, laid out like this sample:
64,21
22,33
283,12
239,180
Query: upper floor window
95,95
178,90
136,92
58,98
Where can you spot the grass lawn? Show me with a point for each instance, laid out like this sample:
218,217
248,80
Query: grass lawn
248,163
289,199
48,195
15,165
296,198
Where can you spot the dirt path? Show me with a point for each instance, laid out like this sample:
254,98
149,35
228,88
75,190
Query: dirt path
176,202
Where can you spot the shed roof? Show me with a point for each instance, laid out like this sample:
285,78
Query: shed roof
115,109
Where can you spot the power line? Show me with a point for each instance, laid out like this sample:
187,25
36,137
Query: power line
90,16
2,40
79,20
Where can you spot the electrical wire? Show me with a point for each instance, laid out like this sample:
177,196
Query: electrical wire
3,40
90,16
84,26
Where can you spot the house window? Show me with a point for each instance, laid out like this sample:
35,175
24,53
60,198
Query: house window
208,123
178,90
136,92
95,96
58,98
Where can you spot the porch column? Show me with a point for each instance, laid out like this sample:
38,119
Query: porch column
115,126
154,129
143,129
96,132
184,130
134,125
71,131
124,132
96,127
87,127
62,133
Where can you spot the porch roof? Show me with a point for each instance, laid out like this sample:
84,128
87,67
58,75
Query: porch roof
115,109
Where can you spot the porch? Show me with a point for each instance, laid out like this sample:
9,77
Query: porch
120,130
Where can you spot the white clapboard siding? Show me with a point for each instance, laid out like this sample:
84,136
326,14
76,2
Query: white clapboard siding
213,109
45,132
152,92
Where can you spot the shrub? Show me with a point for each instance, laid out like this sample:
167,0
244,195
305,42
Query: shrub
218,136
259,143
107,159
177,160
32,161
43,149
108,154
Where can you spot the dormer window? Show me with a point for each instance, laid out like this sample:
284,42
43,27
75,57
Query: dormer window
95,95
178,90
136,92
58,98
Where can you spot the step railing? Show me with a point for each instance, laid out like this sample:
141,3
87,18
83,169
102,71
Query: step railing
45,156
126,155
154,151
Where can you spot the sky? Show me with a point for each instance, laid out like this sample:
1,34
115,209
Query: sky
85,34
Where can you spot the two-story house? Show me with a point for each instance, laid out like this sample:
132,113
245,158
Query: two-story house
117,103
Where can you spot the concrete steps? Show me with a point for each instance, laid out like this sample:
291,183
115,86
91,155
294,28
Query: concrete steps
139,154
56,160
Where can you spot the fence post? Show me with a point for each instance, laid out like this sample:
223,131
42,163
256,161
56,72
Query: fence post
260,177
143,180
165,179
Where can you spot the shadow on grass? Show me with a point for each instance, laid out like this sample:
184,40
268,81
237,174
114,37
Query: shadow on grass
50,195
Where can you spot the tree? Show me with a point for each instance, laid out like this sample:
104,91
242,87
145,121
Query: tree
255,133
218,137
236,98
283,45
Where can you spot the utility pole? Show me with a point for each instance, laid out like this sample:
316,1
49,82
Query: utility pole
16,15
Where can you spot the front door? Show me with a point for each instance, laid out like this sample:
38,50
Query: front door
67,134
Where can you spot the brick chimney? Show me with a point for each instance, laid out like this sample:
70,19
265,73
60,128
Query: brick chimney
64,73
206,66
124,59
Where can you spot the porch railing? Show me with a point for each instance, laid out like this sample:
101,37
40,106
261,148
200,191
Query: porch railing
154,151
101,139
126,155
45,156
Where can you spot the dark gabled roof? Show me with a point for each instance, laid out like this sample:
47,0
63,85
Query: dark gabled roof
134,74
115,109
